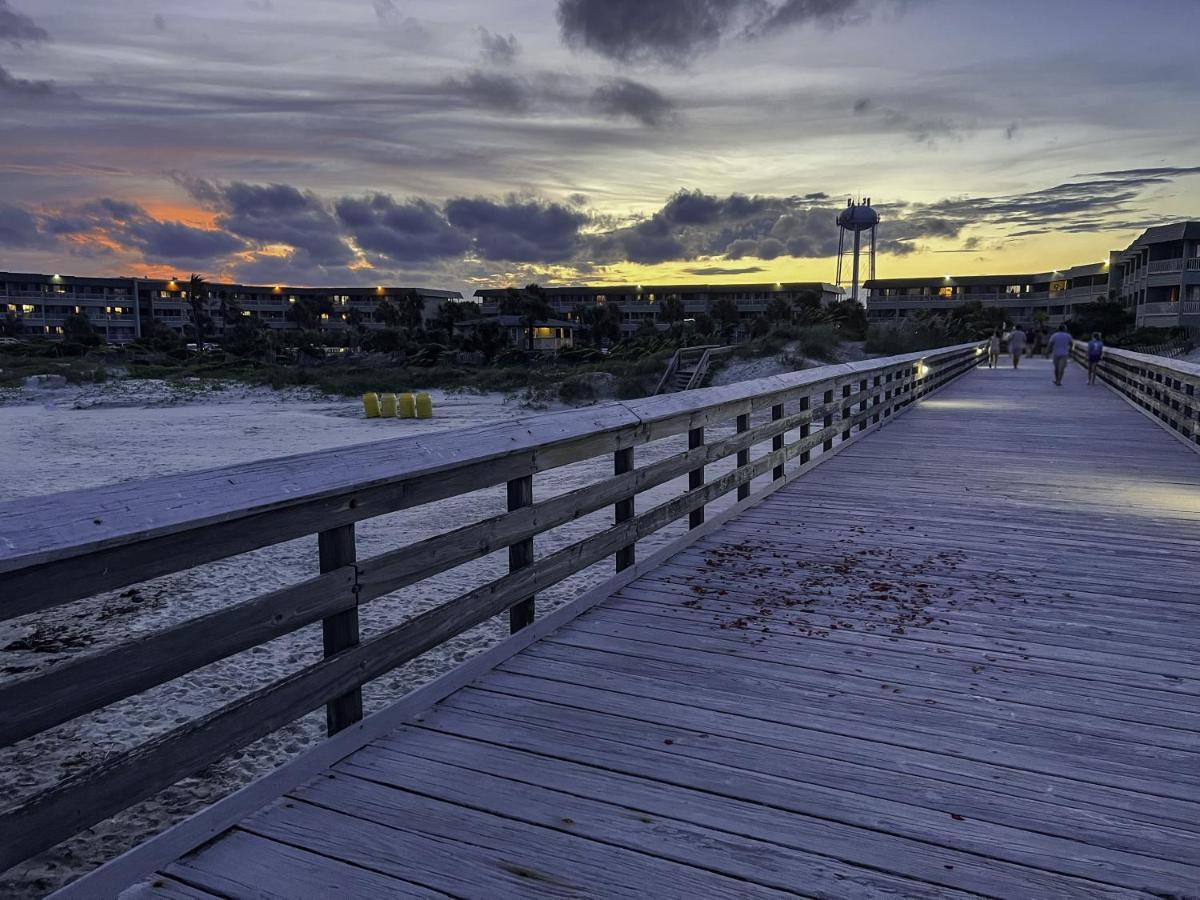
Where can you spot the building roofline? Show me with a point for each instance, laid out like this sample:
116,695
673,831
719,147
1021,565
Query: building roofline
265,288
679,288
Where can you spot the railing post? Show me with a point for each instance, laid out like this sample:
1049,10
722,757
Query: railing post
877,401
622,463
743,457
862,407
335,549
846,414
805,430
827,445
520,554
777,441
696,476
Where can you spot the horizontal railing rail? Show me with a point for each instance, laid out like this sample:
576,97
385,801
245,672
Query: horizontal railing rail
66,547
1168,389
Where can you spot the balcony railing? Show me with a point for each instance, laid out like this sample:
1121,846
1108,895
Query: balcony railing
1158,309
1159,266
1193,264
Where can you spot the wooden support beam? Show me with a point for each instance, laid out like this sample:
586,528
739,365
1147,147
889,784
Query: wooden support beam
743,457
340,631
778,440
520,554
828,421
624,509
696,476
805,403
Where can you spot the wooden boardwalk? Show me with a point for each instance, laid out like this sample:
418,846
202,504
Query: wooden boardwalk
958,658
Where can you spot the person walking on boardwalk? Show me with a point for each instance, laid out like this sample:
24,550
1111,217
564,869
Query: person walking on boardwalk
1095,352
1016,345
993,349
1060,350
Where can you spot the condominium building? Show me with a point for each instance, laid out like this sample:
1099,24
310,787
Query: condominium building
123,309
1026,298
640,304
1158,276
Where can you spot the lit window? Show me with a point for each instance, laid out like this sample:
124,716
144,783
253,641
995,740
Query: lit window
245,312
324,317
27,308
118,310
58,329
543,332
945,292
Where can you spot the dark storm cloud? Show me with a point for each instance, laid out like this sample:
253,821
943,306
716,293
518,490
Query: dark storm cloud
24,89
1161,172
634,30
723,270
19,228
129,225
17,28
625,97
496,48
493,91
676,31
415,231
281,214
518,229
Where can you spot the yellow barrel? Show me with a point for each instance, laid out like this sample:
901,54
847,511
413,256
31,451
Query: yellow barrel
371,405
424,406
387,406
408,406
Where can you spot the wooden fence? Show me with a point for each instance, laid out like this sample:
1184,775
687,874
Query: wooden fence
65,547
1167,389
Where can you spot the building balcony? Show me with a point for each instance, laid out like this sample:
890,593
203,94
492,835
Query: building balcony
1159,266
1158,309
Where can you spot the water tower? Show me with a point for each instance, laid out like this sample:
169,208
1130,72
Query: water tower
856,218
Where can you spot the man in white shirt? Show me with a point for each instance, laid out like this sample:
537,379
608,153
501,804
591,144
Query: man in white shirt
1060,351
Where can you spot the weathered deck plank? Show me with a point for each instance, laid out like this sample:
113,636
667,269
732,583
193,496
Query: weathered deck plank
958,658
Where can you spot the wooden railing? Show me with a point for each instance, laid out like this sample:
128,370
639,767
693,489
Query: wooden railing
703,365
683,357
1167,389
65,547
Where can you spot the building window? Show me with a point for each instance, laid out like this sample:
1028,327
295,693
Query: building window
945,292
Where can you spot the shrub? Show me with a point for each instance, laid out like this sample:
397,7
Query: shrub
818,342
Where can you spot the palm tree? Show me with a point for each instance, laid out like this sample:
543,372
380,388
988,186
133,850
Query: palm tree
412,311
387,314
535,307
726,312
779,310
196,295
672,312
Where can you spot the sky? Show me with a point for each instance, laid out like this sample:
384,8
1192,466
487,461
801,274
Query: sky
470,143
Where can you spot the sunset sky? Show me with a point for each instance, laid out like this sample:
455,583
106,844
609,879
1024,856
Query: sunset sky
461,143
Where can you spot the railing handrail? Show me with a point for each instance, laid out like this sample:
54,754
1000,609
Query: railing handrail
78,544
673,366
1165,388
702,366
52,527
